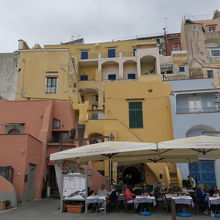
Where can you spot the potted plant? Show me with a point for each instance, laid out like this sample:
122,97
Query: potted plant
7,203
74,208
2,206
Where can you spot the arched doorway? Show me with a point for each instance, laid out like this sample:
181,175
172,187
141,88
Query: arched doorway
131,175
110,70
95,138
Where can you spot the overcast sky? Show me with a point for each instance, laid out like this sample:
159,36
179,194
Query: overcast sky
55,21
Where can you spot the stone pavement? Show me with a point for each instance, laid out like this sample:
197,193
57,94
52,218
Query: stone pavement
47,209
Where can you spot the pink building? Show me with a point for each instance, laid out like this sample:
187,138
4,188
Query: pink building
29,132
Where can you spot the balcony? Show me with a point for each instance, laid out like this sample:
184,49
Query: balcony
183,77
197,110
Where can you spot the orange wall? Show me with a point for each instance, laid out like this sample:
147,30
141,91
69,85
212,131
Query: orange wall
18,151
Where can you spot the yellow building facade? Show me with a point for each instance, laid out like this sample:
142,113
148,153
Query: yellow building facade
116,89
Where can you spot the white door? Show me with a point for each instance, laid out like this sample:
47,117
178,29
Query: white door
195,104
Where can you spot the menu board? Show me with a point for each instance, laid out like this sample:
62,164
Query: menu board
74,187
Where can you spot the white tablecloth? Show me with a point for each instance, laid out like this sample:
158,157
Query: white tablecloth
185,200
144,199
95,199
214,201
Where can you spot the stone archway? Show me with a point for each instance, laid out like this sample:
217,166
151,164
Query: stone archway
198,130
96,138
148,65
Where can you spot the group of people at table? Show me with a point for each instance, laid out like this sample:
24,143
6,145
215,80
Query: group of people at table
134,195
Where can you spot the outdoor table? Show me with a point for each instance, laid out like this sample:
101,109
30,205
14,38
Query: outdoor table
213,201
96,199
183,200
144,199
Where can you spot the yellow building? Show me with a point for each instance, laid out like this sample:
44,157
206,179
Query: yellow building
116,89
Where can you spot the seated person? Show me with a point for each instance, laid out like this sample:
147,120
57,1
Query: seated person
129,196
120,187
102,191
146,189
214,191
113,197
200,194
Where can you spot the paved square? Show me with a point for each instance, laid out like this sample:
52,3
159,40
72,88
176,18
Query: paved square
47,209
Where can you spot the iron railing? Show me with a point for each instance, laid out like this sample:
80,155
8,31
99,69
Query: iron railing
7,172
197,110
183,77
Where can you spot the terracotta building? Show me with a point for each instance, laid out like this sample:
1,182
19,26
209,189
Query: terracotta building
29,132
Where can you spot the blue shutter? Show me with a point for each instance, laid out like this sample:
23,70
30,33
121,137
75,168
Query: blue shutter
111,76
84,55
181,69
131,76
111,53
83,77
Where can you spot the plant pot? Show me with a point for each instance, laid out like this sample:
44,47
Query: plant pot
74,208
2,206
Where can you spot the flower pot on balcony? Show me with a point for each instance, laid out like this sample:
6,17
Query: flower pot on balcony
74,208
2,206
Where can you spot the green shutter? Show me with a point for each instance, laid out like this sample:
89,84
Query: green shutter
135,115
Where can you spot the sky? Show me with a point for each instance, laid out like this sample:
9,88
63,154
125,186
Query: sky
55,21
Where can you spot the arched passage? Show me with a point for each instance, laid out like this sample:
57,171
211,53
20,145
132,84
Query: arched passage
110,70
130,69
148,65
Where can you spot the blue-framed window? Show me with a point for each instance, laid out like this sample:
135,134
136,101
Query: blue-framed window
111,76
131,76
215,52
111,53
134,51
210,73
181,69
84,55
83,77
135,115
169,72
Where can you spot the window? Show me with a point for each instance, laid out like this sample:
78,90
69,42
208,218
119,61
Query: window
84,55
134,51
14,131
212,29
111,53
111,76
176,47
83,77
135,115
181,69
195,104
215,52
59,136
169,71
210,73
51,84
131,76
195,28
95,98
56,123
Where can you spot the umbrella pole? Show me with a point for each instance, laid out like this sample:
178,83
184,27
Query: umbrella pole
197,175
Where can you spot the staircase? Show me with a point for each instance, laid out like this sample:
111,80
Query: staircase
173,174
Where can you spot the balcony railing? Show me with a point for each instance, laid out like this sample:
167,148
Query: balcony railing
63,140
197,110
183,77
128,54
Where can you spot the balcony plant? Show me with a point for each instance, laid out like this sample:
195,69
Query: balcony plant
7,203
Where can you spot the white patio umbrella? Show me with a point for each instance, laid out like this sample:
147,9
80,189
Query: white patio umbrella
105,150
200,146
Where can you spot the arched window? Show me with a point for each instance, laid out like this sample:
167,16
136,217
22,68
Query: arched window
14,131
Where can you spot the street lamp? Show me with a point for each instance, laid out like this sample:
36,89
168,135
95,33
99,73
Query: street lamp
111,137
